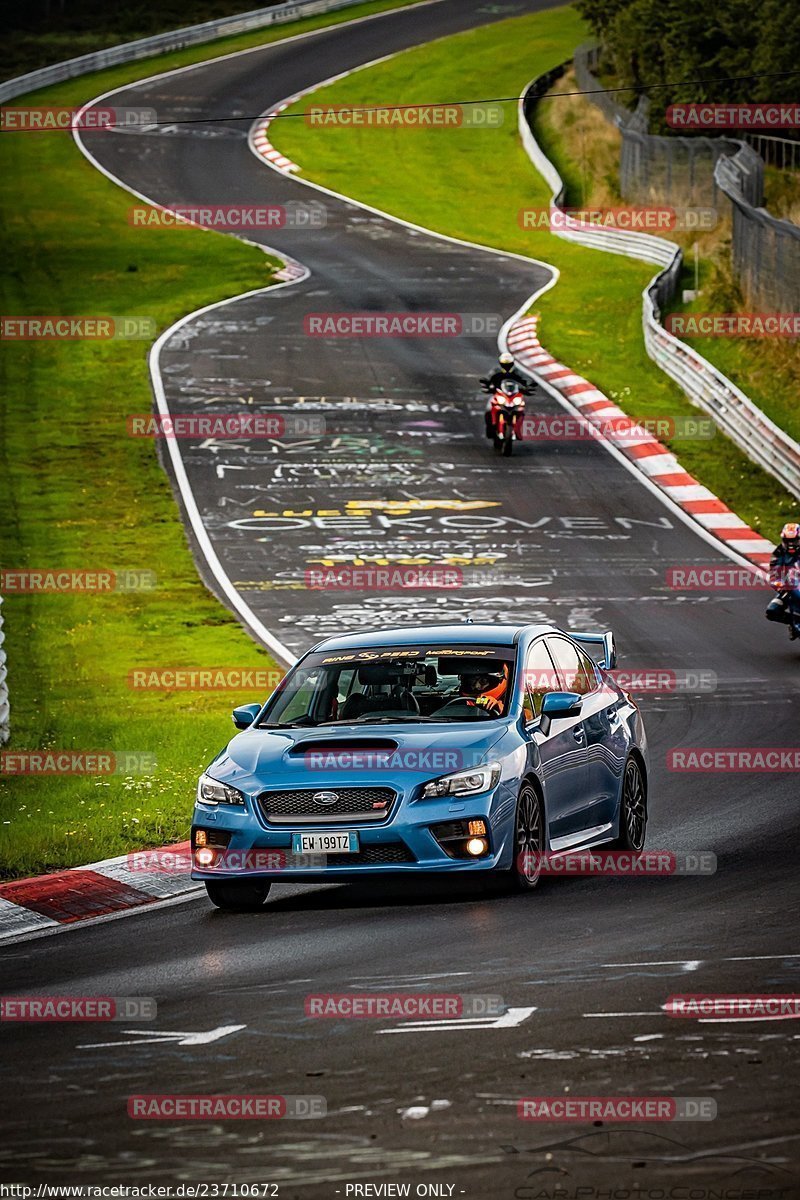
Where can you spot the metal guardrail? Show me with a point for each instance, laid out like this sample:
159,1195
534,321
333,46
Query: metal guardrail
5,719
783,153
765,250
734,412
175,39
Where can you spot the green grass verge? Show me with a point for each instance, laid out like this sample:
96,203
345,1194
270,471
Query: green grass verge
472,184
766,369
76,492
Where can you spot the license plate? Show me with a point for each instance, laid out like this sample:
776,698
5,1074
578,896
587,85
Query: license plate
325,843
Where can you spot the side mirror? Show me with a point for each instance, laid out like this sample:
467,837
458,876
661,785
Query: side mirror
559,704
245,714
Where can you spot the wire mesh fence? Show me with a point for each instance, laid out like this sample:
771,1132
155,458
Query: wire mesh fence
723,173
765,251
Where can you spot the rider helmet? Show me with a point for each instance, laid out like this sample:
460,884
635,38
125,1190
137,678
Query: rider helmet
506,361
790,537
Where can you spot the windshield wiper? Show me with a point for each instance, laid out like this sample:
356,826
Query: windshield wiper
369,719
300,723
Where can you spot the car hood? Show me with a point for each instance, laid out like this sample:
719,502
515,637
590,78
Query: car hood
353,754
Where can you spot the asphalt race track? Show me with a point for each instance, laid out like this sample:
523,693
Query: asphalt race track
560,532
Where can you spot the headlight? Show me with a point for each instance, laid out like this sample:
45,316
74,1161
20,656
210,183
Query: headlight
211,791
463,783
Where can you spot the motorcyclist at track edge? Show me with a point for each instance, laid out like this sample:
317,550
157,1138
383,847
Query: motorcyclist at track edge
784,575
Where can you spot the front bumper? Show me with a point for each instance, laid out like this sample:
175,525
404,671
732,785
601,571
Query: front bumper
403,844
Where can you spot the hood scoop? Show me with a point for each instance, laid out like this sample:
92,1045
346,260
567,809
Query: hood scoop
343,745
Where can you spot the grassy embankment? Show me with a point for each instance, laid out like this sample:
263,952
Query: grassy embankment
76,492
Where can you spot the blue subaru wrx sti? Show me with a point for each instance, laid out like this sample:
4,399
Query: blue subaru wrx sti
441,748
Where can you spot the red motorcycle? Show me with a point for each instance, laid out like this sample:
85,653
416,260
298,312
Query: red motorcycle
506,414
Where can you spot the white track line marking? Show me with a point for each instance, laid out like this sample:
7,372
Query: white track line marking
510,1019
168,1037
681,962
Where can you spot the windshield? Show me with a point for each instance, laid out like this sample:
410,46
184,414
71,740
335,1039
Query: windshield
509,387
400,683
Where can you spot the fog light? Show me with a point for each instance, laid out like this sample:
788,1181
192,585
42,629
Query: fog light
204,857
477,829
477,846
201,837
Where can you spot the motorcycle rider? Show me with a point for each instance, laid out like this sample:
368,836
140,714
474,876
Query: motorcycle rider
505,369
784,575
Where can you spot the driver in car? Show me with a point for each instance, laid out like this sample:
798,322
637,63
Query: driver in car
486,689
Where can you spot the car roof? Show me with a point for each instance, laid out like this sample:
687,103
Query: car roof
461,634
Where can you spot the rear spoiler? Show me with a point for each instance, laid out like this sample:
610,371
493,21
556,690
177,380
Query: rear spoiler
599,646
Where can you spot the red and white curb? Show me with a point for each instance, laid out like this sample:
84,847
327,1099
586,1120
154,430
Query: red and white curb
258,137
261,145
98,890
291,271
648,455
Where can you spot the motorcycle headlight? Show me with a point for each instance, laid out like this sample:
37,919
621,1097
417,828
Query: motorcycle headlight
463,783
211,791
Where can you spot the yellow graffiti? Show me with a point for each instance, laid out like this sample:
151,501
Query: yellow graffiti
395,508
407,560
399,507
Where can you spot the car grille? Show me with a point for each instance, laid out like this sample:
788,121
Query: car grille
388,852
297,806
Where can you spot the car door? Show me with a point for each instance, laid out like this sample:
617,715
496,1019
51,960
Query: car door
561,747
595,805
606,742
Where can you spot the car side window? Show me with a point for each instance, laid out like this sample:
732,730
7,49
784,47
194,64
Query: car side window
300,704
576,670
540,678
590,671
346,684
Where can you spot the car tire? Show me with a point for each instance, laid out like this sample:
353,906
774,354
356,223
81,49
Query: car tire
245,896
529,839
632,809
